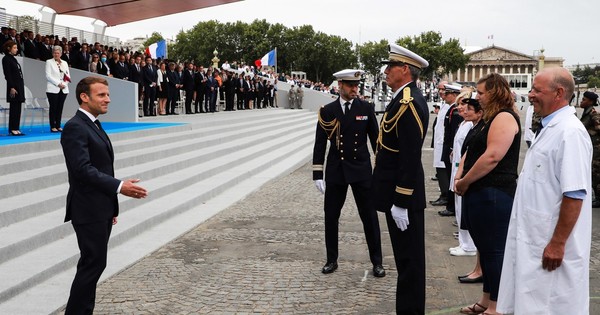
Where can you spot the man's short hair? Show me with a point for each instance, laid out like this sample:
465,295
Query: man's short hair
84,86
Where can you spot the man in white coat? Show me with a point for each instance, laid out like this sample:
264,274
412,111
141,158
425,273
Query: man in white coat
546,260
441,173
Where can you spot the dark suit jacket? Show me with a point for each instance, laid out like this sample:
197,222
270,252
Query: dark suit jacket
149,76
398,177
102,68
31,50
89,156
188,80
134,75
14,78
121,72
349,160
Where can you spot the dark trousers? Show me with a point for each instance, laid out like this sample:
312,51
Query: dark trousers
207,100
213,101
409,256
443,181
57,102
240,100
189,97
149,98
449,193
172,98
487,212
198,101
229,101
258,102
14,116
335,195
92,239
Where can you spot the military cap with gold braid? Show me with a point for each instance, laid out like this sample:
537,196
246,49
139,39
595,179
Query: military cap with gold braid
399,54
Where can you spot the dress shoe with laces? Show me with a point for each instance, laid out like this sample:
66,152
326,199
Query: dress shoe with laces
439,202
378,271
446,213
329,267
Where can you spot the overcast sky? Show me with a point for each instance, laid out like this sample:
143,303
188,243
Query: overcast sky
567,29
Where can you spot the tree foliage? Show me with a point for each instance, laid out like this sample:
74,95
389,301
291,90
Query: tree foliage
585,74
298,48
154,38
443,58
371,54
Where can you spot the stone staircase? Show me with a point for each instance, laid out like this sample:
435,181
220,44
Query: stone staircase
191,171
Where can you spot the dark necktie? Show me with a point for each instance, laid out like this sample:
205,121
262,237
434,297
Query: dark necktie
537,132
98,124
346,108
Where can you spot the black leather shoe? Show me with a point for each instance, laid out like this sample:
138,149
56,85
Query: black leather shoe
446,213
439,202
329,267
596,204
470,280
378,271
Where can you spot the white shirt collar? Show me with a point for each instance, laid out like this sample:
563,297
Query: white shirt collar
342,104
90,116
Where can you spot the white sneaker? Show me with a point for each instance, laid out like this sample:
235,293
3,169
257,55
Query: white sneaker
461,252
452,249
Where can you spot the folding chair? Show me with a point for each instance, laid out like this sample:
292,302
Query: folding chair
34,105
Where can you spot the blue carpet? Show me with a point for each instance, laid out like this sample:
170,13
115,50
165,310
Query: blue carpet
42,133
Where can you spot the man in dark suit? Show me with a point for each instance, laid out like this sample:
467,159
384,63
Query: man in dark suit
173,85
149,77
239,87
135,75
199,87
82,58
398,178
188,86
92,204
346,123
122,69
31,50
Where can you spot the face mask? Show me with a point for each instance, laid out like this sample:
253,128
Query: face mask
103,59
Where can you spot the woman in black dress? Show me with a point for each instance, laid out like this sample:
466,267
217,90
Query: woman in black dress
15,87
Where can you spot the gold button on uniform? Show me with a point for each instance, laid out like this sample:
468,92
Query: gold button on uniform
342,158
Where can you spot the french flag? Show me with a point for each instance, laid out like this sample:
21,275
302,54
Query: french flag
157,50
268,59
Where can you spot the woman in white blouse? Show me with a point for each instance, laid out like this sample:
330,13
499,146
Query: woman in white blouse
57,87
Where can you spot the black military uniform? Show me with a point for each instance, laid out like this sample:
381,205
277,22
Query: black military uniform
452,121
398,180
348,163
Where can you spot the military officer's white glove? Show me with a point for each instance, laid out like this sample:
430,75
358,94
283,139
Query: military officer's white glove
320,185
400,215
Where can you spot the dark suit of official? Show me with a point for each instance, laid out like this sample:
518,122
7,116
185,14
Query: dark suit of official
136,76
398,179
199,86
149,76
172,91
91,204
188,86
348,163
121,71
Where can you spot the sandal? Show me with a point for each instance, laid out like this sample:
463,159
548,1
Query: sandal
474,309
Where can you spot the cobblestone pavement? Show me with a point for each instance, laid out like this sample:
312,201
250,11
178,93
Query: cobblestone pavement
264,255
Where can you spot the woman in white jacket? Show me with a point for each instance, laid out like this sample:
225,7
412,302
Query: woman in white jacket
57,87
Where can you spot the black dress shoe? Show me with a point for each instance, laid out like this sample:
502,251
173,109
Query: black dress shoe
378,271
470,280
596,204
439,202
446,213
329,267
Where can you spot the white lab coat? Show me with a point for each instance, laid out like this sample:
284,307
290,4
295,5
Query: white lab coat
528,133
558,161
438,141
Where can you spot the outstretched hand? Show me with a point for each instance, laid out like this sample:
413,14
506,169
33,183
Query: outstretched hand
130,189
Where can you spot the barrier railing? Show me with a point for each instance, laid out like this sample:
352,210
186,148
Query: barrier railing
21,23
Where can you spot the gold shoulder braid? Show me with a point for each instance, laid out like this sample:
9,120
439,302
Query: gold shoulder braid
387,125
331,127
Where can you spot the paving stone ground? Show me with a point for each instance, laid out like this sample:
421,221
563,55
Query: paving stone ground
264,254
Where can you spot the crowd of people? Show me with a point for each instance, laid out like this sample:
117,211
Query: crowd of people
531,232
